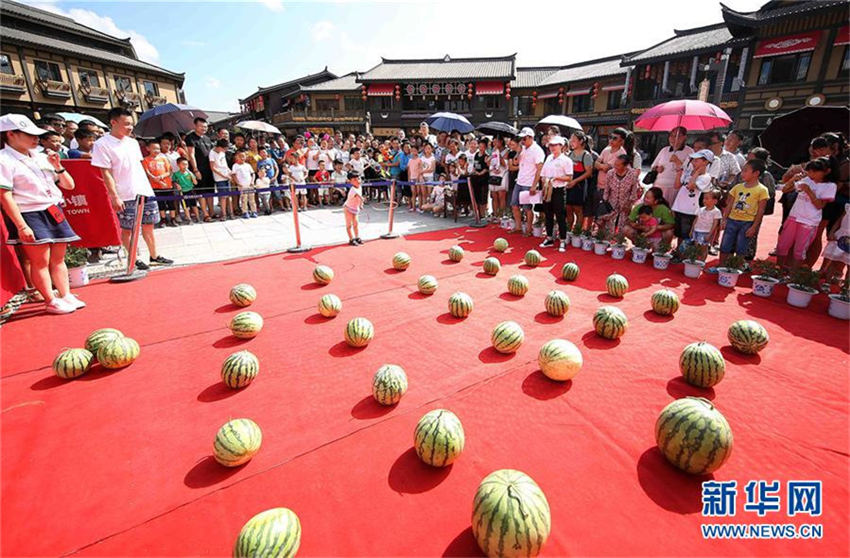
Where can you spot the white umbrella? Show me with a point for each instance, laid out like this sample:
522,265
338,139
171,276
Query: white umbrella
560,120
77,117
257,126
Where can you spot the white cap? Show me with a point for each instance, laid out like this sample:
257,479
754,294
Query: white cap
526,132
557,139
21,123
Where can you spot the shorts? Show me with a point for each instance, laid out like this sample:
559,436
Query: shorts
515,196
205,184
190,202
795,238
502,186
835,253
683,224
700,238
301,191
127,217
44,227
224,187
322,191
165,205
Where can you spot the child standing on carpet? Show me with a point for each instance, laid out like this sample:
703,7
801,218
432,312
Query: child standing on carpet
353,206
706,225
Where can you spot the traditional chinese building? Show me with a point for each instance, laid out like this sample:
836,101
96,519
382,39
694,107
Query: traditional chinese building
333,104
272,103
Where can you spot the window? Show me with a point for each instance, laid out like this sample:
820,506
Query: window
582,103
385,103
123,84
552,106
614,99
89,78
353,103
151,88
456,105
327,105
47,71
785,69
524,106
6,65
492,101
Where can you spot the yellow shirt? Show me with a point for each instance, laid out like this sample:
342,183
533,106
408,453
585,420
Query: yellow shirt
745,201
252,158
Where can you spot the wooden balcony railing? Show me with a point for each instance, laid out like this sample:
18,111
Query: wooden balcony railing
55,89
94,94
155,100
10,83
317,116
128,98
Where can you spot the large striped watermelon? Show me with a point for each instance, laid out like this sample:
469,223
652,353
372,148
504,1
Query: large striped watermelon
518,285
389,384
427,284
359,332
236,442
557,303
239,369
455,253
510,515
665,302
507,337
460,305
246,325
610,322
748,336
72,363
693,435
401,261
323,274
616,285
500,244
492,265
100,336
243,295
570,271
330,305
559,360
439,438
532,258
274,533
118,353
702,365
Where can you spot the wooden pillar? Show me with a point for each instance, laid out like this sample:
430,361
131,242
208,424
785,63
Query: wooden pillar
27,78
71,83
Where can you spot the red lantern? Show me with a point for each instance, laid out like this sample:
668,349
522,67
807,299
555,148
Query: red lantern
508,95
595,90
469,95
718,56
336,97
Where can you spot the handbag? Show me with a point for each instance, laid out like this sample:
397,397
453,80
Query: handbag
604,208
650,177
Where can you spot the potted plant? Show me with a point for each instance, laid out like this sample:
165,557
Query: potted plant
587,240
661,257
575,236
802,286
691,258
600,241
766,275
537,228
839,303
618,249
730,271
76,259
640,249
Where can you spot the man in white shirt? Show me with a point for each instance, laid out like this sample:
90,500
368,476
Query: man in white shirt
119,159
528,177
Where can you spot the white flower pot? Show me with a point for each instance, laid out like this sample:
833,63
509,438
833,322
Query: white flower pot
586,244
618,251
693,268
763,286
575,241
537,231
839,308
639,255
728,277
799,296
78,276
661,261
507,223
599,248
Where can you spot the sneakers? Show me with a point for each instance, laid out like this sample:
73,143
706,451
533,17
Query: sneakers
73,301
171,223
358,241
547,243
140,265
58,306
161,260
353,242
254,215
562,247
245,216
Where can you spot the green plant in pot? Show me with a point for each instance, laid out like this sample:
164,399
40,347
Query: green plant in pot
734,263
577,229
664,248
691,253
601,235
641,242
766,275
76,257
805,279
620,239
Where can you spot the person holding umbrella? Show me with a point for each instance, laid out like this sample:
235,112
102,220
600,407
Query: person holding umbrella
528,179
670,161
557,171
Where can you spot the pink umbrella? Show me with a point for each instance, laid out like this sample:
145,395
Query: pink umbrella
693,115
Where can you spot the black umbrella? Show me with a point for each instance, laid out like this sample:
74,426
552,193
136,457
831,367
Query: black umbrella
497,129
787,137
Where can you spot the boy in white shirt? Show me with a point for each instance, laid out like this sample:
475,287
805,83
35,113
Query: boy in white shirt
243,175
221,177
437,198
298,174
339,176
706,223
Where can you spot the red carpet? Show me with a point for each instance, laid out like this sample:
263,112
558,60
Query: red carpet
118,464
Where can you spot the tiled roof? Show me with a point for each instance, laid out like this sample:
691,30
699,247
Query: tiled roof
33,39
442,69
579,72
691,40
531,77
59,21
348,82
323,74
774,10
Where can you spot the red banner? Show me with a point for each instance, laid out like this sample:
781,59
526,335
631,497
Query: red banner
87,206
843,36
788,45
11,276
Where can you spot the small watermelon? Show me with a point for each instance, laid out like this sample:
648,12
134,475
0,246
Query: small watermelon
665,302
748,336
702,365
389,384
237,442
518,285
532,258
560,360
246,325
401,261
100,336
323,274
72,363
118,353
359,332
427,284
439,438
507,337
330,305
570,271
616,285
492,265
610,322
274,533
455,253
460,305
557,303
243,295
500,245
693,435
239,369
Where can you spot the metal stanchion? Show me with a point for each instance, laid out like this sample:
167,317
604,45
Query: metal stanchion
393,203
477,224
132,273
297,248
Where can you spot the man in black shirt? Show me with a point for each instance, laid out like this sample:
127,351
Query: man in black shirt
199,146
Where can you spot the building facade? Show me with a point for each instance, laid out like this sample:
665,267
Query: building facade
273,103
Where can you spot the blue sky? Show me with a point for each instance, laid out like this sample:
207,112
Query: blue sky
227,49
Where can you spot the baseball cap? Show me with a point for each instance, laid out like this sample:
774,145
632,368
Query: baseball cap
526,132
21,123
557,139
704,154
353,174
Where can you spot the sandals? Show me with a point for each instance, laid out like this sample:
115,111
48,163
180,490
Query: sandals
34,296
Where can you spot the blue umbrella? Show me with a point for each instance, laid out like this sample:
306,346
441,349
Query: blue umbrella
170,117
449,122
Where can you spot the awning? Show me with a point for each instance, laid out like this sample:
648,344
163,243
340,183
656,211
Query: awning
549,95
489,88
578,92
843,37
614,87
381,90
790,44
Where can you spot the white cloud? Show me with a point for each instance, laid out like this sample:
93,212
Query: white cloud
212,82
273,5
322,30
186,42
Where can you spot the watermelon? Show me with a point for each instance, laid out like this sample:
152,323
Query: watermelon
460,305
610,322
510,515
389,384
492,265
330,305
702,365
100,336
439,438
557,303
518,285
616,285
118,353
570,271
427,284
323,274
243,295
665,302
507,337
559,360
239,369
359,332
401,261
455,253
246,325
748,336
532,258
500,245
236,442
72,363
693,435
274,533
